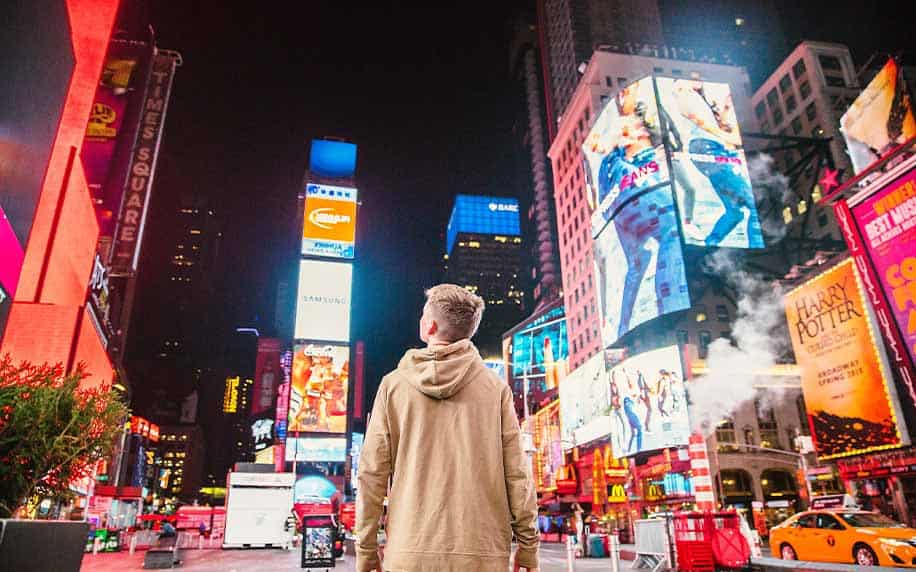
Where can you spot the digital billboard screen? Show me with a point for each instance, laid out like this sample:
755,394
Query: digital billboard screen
323,301
715,198
638,257
548,455
329,221
318,390
335,159
887,220
648,403
879,119
851,404
585,402
317,449
540,350
481,214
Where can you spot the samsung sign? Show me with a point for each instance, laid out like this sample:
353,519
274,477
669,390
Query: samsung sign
323,301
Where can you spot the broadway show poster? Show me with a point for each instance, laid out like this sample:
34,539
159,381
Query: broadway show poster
851,407
887,221
711,178
879,119
318,392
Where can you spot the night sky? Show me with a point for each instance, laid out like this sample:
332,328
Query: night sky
425,93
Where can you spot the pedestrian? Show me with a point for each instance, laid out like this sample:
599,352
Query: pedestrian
444,436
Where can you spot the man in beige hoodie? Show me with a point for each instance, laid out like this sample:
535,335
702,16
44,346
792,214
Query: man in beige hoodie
444,432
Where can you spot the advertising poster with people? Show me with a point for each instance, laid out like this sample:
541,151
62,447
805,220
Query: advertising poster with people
715,199
584,403
851,405
879,119
648,403
318,390
540,350
887,221
638,257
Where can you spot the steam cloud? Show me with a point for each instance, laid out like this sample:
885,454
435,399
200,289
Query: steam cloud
772,191
756,346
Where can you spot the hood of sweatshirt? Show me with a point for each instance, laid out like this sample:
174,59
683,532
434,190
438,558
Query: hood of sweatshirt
441,372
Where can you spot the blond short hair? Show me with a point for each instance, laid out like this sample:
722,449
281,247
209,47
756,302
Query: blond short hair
456,311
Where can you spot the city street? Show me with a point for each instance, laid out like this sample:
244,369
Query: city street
553,559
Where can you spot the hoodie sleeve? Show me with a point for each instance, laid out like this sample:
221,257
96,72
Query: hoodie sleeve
375,466
519,486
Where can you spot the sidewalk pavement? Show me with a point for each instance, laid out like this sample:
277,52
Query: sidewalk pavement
553,559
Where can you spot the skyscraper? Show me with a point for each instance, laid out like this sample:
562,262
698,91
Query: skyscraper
483,254
540,263
570,30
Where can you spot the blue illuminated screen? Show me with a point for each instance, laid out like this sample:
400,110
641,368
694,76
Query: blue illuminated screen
541,345
332,158
483,215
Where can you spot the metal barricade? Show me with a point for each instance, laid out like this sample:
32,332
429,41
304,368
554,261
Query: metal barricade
652,543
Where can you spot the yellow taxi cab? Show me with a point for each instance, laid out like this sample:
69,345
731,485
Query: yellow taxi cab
845,535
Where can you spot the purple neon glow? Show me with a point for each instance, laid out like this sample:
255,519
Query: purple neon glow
10,256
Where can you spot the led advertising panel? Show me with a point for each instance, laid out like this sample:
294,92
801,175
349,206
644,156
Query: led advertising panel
317,449
356,447
540,350
640,265
585,402
318,390
335,159
880,118
548,455
323,301
648,403
852,407
715,199
887,220
483,215
329,224
262,433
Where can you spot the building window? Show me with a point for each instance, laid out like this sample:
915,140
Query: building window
761,110
683,338
773,99
658,70
677,72
811,111
802,207
748,434
777,116
802,415
799,69
726,436
785,84
608,81
834,81
621,81
722,313
822,220
766,423
796,125
817,131
764,126
705,338
829,62
804,89
790,104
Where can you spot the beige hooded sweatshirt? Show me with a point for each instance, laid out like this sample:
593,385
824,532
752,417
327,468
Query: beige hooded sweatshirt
444,430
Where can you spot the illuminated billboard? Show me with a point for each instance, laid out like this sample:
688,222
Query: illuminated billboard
318,390
715,199
585,402
648,403
638,257
887,220
478,214
317,449
852,406
335,159
540,350
329,223
323,301
879,119
548,455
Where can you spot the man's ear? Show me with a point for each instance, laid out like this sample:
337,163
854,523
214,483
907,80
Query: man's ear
433,327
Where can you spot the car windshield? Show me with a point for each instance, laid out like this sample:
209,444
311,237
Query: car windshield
869,520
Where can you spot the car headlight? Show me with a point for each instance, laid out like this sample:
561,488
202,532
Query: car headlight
898,543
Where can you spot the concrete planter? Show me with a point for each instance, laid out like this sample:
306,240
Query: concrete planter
42,545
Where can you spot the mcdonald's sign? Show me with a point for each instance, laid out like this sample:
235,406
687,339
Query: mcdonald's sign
654,492
618,494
